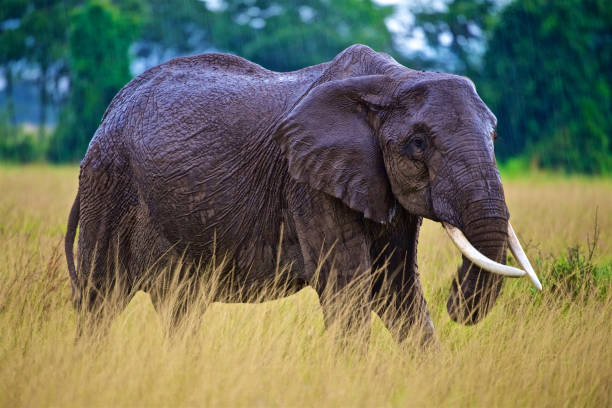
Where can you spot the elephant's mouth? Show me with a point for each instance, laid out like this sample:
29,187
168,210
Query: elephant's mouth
490,265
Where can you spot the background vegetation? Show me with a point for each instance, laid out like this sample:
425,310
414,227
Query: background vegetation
544,67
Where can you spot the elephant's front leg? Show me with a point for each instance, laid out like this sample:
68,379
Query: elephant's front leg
400,303
337,263
397,294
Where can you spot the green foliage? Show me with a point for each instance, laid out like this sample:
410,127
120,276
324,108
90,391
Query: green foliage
544,67
12,38
18,145
575,276
279,35
34,31
99,40
173,28
287,35
547,75
514,167
457,33
12,46
23,148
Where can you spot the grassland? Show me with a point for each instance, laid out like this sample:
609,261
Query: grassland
549,349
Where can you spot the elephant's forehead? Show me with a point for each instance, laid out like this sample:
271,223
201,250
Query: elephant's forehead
440,90
453,104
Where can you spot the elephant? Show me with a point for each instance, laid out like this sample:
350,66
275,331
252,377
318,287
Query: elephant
213,154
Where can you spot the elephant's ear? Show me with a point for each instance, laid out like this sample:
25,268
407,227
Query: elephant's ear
330,142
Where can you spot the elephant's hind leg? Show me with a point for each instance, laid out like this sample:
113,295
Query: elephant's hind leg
105,284
163,272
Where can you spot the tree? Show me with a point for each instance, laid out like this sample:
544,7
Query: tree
45,22
99,38
172,28
12,46
283,35
548,76
457,34
276,34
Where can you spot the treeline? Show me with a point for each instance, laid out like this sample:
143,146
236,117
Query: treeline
543,67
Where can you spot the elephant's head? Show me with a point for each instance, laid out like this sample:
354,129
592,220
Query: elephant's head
425,142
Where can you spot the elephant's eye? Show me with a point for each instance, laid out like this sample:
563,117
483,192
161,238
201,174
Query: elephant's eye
415,146
419,143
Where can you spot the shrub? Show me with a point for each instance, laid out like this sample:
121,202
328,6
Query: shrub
18,145
574,275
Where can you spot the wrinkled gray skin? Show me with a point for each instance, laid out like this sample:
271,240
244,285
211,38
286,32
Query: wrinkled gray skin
350,153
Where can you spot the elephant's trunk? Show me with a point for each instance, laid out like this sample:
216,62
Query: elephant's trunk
468,198
474,290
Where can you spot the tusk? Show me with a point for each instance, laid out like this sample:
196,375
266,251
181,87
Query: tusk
478,258
519,254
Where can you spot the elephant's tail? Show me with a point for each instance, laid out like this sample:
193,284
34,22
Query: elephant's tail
73,222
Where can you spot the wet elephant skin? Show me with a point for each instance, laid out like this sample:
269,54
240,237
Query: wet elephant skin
214,151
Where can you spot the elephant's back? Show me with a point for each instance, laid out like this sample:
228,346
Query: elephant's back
215,102
198,120
195,133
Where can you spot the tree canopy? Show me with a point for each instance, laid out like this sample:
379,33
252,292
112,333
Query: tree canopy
543,67
547,74
285,36
99,38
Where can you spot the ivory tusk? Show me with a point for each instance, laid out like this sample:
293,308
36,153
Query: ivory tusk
478,258
519,254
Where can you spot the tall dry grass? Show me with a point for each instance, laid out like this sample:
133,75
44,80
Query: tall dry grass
548,349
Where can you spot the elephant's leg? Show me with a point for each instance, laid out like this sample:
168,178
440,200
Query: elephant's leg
97,307
336,262
401,305
104,283
158,268
397,293
104,289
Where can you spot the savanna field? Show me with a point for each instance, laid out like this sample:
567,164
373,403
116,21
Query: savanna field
534,349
